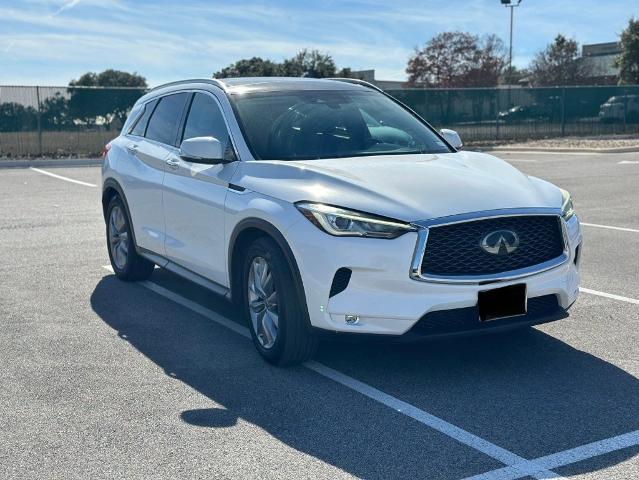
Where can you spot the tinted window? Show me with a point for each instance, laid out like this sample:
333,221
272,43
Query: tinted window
307,124
164,122
206,120
140,125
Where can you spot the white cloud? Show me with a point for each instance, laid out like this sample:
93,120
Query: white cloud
166,40
9,46
66,6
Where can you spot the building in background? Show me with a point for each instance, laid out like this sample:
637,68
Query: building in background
369,76
600,57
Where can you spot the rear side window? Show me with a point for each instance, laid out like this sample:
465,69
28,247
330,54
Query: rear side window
163,125
140,125
206,120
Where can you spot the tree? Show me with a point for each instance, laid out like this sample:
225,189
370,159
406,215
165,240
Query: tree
488,63
15,117
313,64
306,63
252,67
89,105
628,59
514,76
54,113
457,59
559,64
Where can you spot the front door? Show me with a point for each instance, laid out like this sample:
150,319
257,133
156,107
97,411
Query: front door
195,194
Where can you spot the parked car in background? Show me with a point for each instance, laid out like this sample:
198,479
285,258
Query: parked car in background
328,206
522,113
620,108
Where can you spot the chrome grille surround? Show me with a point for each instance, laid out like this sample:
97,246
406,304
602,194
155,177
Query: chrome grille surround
423,227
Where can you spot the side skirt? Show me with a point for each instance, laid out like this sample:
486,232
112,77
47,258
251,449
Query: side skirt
185,273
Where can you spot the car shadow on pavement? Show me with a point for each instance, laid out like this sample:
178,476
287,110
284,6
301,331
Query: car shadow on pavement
525,391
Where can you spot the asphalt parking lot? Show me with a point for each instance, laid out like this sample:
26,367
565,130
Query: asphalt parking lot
104,379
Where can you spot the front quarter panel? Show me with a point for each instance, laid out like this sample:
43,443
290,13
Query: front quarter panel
248,205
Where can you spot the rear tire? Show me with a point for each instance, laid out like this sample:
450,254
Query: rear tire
127,264
278,322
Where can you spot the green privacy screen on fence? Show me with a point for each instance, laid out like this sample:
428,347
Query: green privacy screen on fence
62,121
498,114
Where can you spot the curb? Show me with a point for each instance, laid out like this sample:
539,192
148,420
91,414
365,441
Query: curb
564,150
51,162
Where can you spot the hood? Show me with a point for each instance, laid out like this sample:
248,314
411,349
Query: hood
405,187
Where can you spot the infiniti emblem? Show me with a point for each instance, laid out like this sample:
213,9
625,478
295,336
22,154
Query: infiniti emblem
500,242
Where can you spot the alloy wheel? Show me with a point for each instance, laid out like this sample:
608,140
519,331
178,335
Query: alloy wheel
262,300
118,237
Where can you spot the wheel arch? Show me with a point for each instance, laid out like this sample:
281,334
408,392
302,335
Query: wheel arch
244,233
111,188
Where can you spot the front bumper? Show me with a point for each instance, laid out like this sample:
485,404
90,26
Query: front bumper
384,297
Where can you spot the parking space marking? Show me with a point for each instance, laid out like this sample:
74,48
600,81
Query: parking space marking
519,464
609,295
60,177
609,227
566,457
541,152
484,446
628,162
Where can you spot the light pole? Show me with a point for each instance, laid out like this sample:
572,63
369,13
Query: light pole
509,3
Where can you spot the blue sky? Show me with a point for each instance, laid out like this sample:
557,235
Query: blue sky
52,41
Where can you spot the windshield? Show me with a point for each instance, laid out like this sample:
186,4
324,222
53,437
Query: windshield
312,124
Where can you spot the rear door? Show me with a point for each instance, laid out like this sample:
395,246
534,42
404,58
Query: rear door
150,140
194,195
142,177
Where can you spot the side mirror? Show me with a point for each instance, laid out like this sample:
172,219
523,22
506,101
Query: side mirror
452,137
206,150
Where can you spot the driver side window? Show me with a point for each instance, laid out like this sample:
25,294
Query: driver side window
206,120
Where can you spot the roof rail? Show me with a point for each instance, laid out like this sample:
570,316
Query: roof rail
357,81
211,81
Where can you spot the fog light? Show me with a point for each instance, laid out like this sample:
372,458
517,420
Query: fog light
352,319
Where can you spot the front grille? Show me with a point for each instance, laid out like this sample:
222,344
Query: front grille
540,309
455,250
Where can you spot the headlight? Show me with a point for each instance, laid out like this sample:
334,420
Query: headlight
348,223
566,206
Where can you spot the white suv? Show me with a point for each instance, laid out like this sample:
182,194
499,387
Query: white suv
328,206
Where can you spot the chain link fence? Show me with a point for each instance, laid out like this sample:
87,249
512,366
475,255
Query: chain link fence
61,121
79,121
483,115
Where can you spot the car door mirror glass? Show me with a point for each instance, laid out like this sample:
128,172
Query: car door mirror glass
452,137
202,150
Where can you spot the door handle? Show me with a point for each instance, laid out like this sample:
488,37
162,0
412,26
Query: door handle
132,148
173,163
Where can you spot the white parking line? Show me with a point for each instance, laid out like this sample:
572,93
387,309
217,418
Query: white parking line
60,177
609,295
521,160
540,152
628,162
590,450
517,467
609,227
459,434
519,464
566,457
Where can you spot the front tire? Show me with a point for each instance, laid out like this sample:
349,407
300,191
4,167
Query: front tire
278,323
127,264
